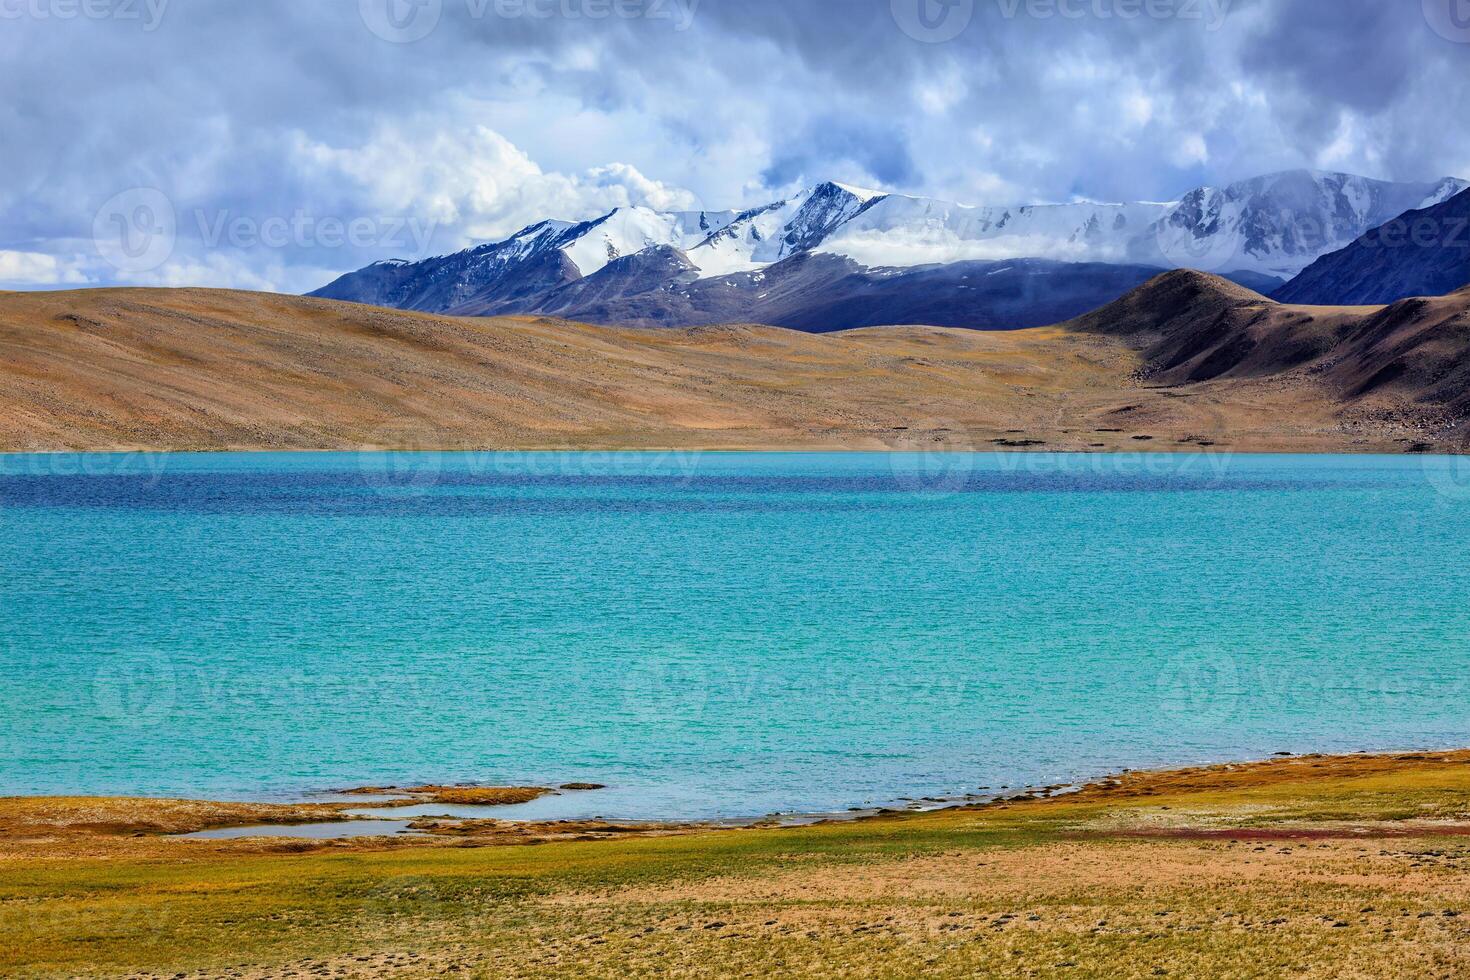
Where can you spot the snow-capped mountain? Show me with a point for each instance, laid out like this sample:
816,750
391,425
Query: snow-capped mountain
1261,232
1271,226
907,231
511,274
504,276
763,236
628,231
1279,224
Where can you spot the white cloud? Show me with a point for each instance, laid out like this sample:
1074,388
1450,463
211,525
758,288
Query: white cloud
624,179
475,183
1346,150
877,249
941,92
39,269
216,270
1138,109
1192,149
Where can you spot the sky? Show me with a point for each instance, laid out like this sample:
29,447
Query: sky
275,144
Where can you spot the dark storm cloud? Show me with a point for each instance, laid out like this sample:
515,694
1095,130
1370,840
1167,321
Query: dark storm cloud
1363,56
474,116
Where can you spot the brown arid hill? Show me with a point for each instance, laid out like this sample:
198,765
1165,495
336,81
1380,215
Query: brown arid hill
1187,360
1409,361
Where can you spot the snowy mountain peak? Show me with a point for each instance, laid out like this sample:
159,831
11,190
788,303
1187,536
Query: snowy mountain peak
861,193
768,234
630,230
1268,227
1450,187
1278,224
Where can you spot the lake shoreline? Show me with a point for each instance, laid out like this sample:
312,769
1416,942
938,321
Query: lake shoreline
207,820
1390,449
1349,859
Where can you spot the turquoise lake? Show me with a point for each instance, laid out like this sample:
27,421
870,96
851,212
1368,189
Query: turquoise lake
717,635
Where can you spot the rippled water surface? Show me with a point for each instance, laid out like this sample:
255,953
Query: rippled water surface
717,634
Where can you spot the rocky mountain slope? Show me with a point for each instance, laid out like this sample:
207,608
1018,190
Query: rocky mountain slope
1421,253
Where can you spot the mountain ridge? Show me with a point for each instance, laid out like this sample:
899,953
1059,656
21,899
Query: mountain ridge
1424,252
1258,231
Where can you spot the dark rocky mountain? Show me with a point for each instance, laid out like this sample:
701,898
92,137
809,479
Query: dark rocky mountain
821,293
1194,327
1255,281
1420,253
517,271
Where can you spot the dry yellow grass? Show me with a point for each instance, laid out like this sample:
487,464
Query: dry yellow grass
201,369
480,795
460,795
1310,867
75,817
